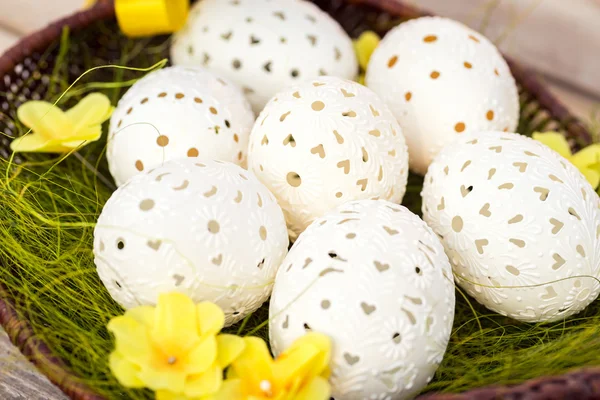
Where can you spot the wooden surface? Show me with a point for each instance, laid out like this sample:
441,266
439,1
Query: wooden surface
560,38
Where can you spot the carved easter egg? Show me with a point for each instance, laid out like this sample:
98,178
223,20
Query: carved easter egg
519,223
373,277
207,229
442,79
176,113
325,142
264,46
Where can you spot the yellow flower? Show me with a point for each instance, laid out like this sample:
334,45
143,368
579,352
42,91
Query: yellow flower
299,373
55,131
364,47
173,348
586,160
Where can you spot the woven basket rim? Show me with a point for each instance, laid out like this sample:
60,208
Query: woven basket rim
581,383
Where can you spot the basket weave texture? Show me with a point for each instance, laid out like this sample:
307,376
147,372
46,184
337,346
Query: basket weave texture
20,65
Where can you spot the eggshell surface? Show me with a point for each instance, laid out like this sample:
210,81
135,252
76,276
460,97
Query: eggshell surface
207,229
264,46
176,113
325,142
441,79
519,223
373,277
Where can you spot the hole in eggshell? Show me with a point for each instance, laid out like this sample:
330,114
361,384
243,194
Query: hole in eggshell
120,244
418,270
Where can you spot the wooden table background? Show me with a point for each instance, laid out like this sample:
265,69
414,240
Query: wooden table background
559,38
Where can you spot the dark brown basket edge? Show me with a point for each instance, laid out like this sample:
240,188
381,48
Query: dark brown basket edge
582,383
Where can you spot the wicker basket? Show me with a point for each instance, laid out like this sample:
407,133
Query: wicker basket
23,67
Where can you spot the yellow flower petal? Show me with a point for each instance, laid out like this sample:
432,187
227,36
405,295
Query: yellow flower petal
592,176
211,318
45,119
91,110
175,324
126,372
168,395
131,339
254,364
203,356
230,390
320,342
364,47
34,142
317,389
587,157
205,384
555,141
172,379
296,363
142,314
229,347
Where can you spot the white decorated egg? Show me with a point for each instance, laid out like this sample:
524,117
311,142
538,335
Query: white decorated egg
176,113
325,142
207,229
442,79
519,223
373,277
264,46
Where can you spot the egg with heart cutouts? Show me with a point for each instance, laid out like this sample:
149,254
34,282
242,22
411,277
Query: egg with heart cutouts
373,277
264,45
441,79
325,142
176,113
207,229
520,225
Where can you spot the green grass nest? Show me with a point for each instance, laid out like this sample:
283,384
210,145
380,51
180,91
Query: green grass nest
49,206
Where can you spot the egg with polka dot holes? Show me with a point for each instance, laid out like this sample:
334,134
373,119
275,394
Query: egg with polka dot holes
442,79
207,229
176,113
374,277
325,142
519,223
263,45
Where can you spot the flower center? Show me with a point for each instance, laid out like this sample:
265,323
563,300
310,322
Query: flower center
172,360
266,388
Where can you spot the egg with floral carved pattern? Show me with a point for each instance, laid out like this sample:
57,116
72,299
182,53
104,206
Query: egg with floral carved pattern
208,229
263,45
442,79
176,113
374,277
520,225
325,142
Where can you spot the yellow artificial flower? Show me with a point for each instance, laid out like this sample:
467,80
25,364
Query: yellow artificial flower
364,47
149,17
299,373
173,348
55,131
586,160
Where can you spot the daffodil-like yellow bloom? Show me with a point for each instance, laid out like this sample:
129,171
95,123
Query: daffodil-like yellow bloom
173,348
364,47
55,131
299,373
586,160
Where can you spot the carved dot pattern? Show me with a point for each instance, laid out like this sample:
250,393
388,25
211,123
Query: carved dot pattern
378,170
167,108
416,276
527,186
247,213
